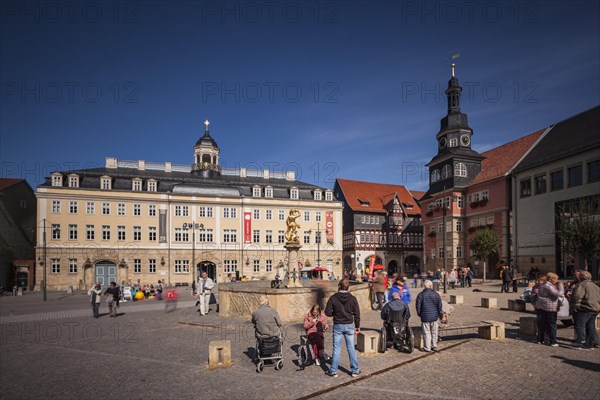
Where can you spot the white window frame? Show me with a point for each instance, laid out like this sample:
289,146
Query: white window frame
136,185
435,175
256,191
137,209
72,265
105,232
152,234
281,215
328,195
55,231
446,171
73,207
121,209
73,181
294,194
460,169
121,233
151,185
256,266
152,265
317,216
269,265
55,265
137,233
90,208
90,233
105,183
269,192
57,179
73,234
318,195
256,214
105,208
152,210
55,206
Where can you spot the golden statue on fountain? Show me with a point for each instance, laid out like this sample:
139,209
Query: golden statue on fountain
291,235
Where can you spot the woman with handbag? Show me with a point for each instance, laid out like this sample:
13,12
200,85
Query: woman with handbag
547,306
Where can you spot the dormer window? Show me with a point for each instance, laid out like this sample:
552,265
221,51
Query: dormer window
328,195
152,185
57,179
294,194
435,175
256,192
105,182
318,195
364,202
136,185
269,192
73,181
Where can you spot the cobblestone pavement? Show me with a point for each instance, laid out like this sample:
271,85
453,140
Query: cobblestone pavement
58,352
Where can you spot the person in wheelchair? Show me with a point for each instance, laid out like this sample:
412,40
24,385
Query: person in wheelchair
395,315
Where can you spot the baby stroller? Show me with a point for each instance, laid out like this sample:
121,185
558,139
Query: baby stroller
396,333
269,352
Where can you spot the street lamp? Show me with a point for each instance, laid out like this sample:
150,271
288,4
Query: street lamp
445,253
193,226
318,240
45,263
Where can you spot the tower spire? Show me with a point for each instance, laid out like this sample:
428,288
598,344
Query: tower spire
206,123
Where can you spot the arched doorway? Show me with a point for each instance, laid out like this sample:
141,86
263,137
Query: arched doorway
412,265
105,272
393,268
209,267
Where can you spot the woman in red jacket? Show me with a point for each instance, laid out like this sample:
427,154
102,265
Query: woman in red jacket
315,324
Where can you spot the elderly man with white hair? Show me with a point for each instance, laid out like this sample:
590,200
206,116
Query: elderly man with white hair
429,309
266,320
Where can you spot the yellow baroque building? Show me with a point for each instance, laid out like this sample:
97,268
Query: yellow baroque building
148,221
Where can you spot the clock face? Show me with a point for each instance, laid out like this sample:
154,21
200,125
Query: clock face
442,143
465,140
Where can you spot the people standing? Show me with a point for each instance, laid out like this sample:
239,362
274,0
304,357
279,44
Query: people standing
546,304
586,303
379,288
344,309
114,296
506,279
95,294
315,324
429,309
159,290
205,286
469,276
452,278
401,288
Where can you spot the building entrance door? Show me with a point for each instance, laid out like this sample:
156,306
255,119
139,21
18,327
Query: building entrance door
106,272
209,267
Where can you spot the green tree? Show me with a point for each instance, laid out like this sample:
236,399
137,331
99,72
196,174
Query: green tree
580,235
484,243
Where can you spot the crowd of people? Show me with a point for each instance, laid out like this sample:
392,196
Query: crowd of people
116,294
578,299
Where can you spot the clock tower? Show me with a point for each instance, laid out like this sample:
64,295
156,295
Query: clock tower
455,164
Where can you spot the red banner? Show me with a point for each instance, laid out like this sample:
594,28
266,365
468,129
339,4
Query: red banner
247,227
329,226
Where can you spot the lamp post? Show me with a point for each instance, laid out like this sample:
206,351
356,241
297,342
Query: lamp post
193,226
45,261
445,253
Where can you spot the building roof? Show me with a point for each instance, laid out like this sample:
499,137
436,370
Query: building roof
7,182
206,140
188,183
417,194
501,160
569,137
374,197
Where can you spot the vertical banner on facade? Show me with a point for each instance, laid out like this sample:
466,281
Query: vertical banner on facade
329,226
247,227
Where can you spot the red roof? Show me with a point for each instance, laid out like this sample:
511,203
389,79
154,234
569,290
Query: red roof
500,160
374,197
418,194
6,182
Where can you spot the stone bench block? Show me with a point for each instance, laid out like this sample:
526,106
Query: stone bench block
419,338
489,302
367,342
516,305
494,331
219,354
528,326
457,299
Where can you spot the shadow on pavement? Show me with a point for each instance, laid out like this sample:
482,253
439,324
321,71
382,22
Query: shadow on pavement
592,366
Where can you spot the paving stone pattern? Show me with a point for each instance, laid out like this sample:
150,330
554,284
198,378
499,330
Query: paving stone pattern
57,350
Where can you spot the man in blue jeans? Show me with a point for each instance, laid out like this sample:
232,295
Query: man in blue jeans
343,307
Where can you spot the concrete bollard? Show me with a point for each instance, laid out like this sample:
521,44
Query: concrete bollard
528,326
367,342
419,338
219,354
516,305
457,299
495,331
489,302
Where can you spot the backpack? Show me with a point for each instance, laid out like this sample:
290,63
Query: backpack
305,354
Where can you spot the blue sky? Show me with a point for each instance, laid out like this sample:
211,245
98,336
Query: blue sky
330,89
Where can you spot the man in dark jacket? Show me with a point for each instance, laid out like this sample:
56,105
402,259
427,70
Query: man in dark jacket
343,307
395,304
114,295
429,308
